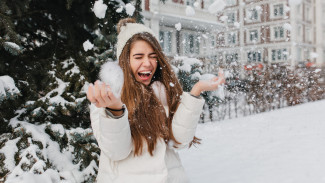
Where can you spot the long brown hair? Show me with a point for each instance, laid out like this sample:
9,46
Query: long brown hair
147,116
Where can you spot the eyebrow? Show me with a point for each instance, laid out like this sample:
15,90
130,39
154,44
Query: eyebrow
141,54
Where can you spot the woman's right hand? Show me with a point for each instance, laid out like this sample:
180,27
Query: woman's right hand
101,95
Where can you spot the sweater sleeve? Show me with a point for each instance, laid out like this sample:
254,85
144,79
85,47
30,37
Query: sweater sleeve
186,118
113,135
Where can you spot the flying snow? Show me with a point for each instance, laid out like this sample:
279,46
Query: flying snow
120,9
217,6
196,4
178,26
129,9
100,9
88,45
287,26
223,18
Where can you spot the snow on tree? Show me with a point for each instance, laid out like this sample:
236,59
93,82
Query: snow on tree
8,88
44,117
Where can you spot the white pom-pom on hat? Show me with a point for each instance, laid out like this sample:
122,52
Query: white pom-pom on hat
127,32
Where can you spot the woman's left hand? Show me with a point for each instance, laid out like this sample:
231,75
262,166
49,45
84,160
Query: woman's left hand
208,85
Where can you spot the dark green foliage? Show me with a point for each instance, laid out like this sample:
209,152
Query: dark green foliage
41,48
49,33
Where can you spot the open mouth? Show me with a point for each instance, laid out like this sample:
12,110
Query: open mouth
144,75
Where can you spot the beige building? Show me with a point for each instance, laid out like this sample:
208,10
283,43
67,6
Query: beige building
246,31
272,31
191,33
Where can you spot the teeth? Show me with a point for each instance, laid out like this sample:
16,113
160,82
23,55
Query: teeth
147,72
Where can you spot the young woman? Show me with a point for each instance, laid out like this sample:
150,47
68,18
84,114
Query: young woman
139,131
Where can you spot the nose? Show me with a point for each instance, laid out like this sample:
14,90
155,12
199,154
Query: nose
146,61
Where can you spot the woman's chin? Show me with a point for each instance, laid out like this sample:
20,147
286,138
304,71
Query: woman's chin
145,82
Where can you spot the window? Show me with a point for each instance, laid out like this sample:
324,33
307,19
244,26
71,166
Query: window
278,32
252,15
231,18
231,57
254,56
191,44
299,54
307,54
165,41
299,9
308,35
213,41
323,11
279,54
231,2
232,37
190,2
308,16
278,10
253,35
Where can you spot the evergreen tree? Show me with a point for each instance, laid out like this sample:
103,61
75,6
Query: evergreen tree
41,49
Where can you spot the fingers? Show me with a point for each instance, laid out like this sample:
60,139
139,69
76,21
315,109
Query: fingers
105,93
98,94
90,94
220,73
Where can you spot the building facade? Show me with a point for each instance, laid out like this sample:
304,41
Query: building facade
272,31
180,32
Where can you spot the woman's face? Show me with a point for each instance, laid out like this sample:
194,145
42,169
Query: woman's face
143,61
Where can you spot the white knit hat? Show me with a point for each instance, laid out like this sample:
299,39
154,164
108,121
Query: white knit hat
126,33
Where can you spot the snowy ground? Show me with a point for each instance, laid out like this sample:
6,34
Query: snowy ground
283,146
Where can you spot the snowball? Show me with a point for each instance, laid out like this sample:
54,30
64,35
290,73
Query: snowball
178,26
88,45
217,6
112,74
287,26
171,84
99,9
129,8
189,11
223,18
294,2
120,9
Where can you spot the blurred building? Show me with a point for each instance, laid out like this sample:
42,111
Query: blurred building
192,34
273,31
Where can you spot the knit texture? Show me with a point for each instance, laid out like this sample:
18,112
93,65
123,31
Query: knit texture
127,31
